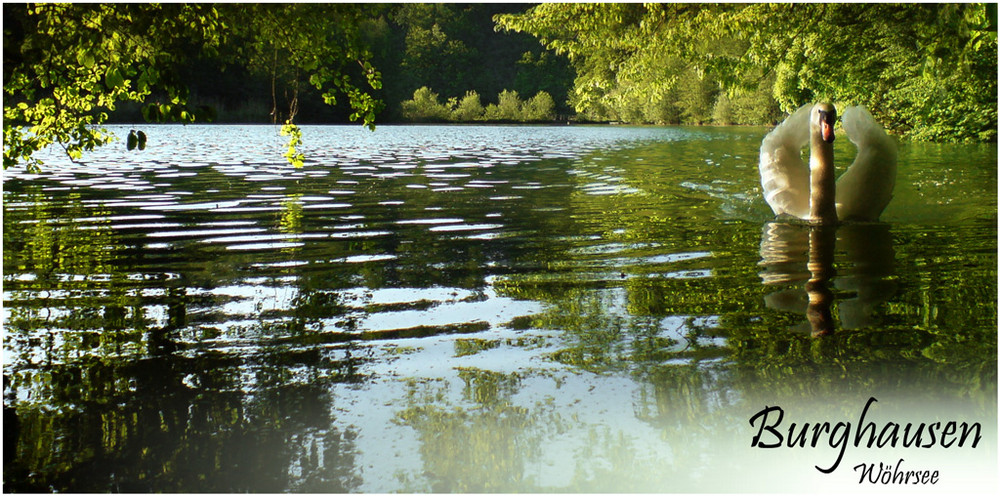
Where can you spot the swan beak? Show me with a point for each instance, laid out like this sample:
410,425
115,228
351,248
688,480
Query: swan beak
826,120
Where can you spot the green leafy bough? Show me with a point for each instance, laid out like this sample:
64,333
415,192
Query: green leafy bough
66,66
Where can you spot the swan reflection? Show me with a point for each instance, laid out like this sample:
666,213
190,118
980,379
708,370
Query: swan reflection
801,257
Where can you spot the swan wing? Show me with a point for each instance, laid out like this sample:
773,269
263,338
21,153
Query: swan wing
865,189
783,174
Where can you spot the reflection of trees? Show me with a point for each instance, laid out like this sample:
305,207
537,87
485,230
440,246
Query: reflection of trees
480,449
100,395
51,257
129,375
488,440
179,425
490,443
629,297
630,294
884,343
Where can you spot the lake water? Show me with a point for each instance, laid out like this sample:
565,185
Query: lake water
475,308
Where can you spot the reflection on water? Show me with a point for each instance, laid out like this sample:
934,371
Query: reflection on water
804,256
473,308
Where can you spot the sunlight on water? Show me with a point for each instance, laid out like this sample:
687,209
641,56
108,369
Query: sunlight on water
476,308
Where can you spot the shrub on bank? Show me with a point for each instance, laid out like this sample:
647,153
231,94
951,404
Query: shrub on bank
425,106
469,109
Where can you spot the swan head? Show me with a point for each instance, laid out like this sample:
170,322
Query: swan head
821,121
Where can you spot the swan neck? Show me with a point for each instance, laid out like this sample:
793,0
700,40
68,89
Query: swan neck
822,191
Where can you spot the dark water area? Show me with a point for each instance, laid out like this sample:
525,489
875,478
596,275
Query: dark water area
480,309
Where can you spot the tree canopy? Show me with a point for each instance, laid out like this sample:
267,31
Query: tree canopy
453,49
926,70
66,66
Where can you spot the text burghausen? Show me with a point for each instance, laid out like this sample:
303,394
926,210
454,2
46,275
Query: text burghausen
838,435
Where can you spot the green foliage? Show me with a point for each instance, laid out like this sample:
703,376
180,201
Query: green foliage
754,106
425,107
925,71
722,111
696,95
455,48
507,108
434,58
295,157
928,71
540,107
544,72
67,66
469,109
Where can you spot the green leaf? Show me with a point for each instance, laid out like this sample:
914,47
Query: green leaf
85,58
113,79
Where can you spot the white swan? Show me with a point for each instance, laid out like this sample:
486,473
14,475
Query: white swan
792,188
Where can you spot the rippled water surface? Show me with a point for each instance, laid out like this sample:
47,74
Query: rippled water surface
468,309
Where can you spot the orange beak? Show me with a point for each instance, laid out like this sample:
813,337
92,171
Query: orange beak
826,126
